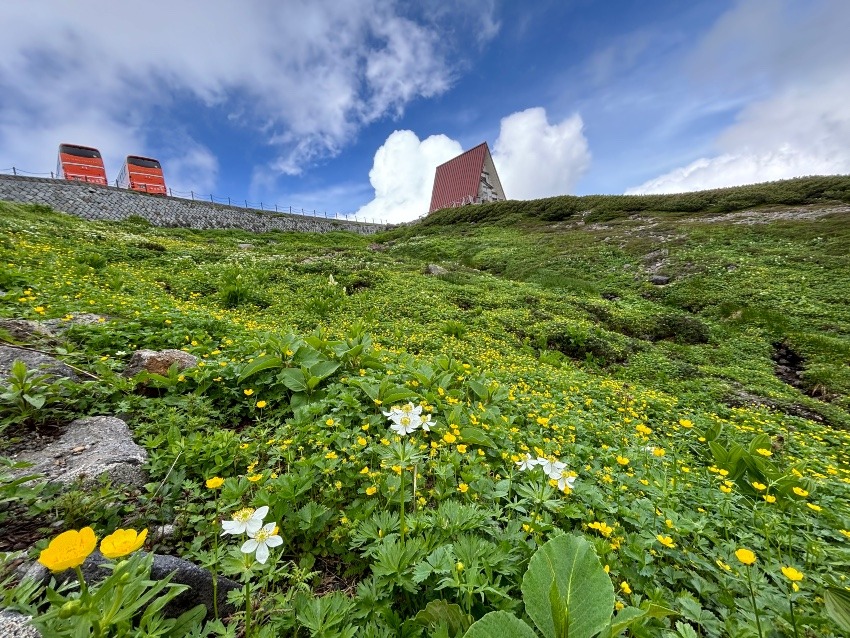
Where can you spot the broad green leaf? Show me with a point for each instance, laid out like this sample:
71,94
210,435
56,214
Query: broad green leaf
397,394
584,587
259,364
476,437
500,624
293,378
442,612
323,369
37,401
624,619
837,603
479,389
760,442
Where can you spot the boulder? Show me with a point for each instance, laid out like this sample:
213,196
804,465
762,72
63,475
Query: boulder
659,280
23,330
198,579
58,326
89,448
158,361
34,361
15,625
434,269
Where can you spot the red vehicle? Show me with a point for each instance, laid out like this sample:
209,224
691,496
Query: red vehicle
81,163
142,174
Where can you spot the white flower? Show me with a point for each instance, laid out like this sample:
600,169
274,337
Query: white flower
245,521
426,423
527,463
552,469
405,424
260,542
566,481
396,412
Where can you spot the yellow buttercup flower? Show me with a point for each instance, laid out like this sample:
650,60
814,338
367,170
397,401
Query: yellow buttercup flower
799,491
666,541
248,392
792,574
69,549
448,437
214,482
463,487
122,542
371,490
624,586
261,404
746,556
622,460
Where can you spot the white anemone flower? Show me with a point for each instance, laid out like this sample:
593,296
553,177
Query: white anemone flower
260,541
426,423
405,424
246,521
566,482
552,469
527,463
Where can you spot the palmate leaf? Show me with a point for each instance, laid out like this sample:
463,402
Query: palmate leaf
584,590
500,624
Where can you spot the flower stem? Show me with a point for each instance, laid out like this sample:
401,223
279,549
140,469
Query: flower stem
793,615
401,510
248,609
753,599
215,563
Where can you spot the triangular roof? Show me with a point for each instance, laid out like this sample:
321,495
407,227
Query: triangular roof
457,181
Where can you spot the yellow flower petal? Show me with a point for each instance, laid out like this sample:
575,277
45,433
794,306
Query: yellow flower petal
69,549
122,542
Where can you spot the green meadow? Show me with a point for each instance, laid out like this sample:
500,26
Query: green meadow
607,415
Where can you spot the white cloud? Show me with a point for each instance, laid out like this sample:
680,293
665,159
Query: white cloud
537,159
533,159
308,74
792,64
403,175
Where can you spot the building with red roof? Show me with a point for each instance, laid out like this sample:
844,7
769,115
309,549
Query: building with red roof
469,178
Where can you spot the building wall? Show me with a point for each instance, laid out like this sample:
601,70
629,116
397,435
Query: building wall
115,204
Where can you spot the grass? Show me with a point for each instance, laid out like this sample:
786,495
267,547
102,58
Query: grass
545,338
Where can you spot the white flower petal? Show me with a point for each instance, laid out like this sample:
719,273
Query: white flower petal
249,546
274,541
260,513
232,527
262,554
253,526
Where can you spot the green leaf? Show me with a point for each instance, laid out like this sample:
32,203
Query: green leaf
585,590
624,619
293,378
394,395
323,369
442,612
500,624
37,401
259,364
476,437
837,601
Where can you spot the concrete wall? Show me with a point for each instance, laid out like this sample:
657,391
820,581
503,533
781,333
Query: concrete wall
114,204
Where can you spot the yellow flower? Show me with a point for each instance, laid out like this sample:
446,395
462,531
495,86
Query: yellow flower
261,404
330,455
248,392
329,422
659,451
845,532
792,574
770,498
618,605
764,452
746,556
448,437
799,491
371,490
666,541
625,587
69,549
686,423
622,460
461,449
255,477
759,486
463,488
813,507
361,441
122,542
214,482
365,469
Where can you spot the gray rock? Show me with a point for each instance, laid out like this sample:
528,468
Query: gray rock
185,572
245,246
89,448
58,326
659,280
15,625
434,269
24,330
158,361
34,361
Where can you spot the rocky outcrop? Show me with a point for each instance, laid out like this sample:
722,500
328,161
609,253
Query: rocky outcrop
158,361
23,330
39,361
89,448
15,625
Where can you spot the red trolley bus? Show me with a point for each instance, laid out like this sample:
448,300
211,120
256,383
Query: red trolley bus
142,174
80,163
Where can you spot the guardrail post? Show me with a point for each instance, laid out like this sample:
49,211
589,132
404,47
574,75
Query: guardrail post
228,201
193,195
261,206
14,172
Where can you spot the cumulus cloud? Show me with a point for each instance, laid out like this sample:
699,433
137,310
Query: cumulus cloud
796,85
403,175
306,74
533,159
537,159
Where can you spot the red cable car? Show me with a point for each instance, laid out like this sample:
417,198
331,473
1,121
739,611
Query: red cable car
81,163
142,174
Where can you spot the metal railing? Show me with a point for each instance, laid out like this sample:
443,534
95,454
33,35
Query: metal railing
228,201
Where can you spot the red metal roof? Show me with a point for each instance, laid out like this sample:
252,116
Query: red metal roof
458,179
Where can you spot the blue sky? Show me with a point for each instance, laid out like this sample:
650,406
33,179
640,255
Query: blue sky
348,106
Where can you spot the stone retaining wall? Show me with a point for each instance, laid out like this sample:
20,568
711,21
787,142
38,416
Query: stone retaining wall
94,202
